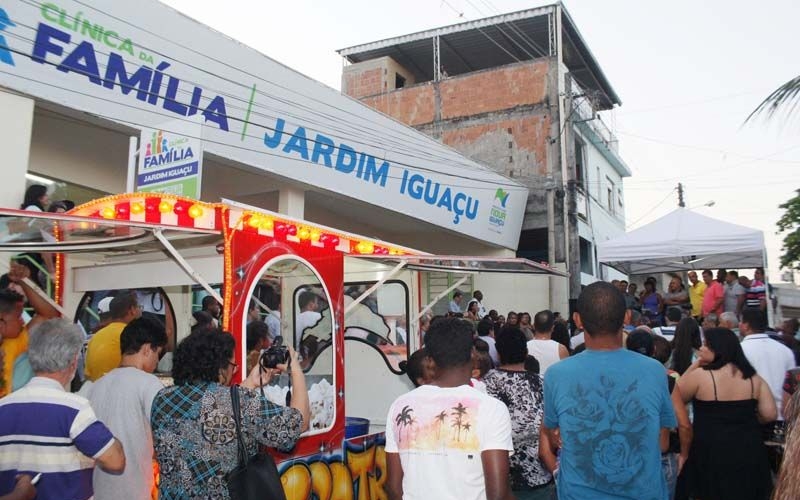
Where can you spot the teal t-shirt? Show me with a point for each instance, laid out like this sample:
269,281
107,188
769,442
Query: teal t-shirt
610,407
23,372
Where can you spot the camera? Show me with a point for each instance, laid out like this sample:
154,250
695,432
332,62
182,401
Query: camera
277,354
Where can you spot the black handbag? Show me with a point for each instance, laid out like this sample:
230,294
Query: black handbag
256,477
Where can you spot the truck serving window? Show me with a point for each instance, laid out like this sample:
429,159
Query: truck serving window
289,302
381,319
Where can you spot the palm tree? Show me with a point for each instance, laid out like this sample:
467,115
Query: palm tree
466,428
786,97
404,419
441,417
459,412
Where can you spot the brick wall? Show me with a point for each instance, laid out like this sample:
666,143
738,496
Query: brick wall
515,147
362,83
412,105
494,116
494,90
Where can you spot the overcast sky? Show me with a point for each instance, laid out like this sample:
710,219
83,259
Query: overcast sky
688,74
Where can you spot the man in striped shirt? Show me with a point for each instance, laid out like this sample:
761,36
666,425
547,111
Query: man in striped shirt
755,290
45,429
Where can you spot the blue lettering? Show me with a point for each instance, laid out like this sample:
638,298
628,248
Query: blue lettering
275,141
472,210
43,46
155,87
346,159
403,182
430,197
459,197
415,187
376,175
197,93
82,60
323,148
170,103
115,71
297,143
216,112
446,200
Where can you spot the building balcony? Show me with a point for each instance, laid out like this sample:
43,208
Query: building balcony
588,121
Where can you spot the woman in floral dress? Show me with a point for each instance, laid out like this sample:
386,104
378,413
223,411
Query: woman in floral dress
194,432
521,391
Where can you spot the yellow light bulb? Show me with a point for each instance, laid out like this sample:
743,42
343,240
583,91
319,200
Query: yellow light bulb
195,211
304,233
165,207
266,223
254,221
137,208
108,213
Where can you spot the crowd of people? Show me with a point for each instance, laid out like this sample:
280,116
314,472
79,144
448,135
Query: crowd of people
102,441
681,394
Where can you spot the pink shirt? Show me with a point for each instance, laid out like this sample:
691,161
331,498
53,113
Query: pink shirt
714,292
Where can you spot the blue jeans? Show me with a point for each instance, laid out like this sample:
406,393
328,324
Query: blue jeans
669,464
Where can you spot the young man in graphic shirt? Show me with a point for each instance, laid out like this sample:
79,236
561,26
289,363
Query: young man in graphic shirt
608,405
447,440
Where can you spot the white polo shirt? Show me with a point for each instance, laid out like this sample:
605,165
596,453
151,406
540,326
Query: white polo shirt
772,360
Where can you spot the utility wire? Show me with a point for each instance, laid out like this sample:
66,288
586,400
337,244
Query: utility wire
702,148
272,97
628,226
421,139
260,151
401,151
461,15
415,136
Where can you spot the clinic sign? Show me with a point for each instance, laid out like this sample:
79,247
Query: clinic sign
145,65
168,162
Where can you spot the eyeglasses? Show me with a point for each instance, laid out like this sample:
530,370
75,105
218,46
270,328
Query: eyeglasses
234,365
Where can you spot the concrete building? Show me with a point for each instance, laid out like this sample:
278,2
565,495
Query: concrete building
521,93
83,87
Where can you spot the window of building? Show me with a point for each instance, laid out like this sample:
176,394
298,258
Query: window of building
580,167
587,256
610,191
399,81
619,197
599,185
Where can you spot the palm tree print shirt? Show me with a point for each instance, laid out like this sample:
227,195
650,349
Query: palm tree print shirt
440,434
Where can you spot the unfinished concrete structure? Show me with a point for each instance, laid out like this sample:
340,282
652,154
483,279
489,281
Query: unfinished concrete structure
521,93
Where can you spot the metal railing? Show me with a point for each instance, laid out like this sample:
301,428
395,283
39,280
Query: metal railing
584,111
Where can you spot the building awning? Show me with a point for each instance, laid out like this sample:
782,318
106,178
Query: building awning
24,231
464,264
492,42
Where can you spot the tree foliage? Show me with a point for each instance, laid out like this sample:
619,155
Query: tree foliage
784,99
790,223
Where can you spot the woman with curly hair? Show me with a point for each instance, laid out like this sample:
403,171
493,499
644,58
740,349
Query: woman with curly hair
787,487
194,434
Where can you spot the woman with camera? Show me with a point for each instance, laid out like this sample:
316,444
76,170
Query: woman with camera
194,431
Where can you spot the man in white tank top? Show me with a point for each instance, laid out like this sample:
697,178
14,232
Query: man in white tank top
546,350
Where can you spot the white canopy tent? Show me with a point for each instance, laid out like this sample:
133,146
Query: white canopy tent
684,240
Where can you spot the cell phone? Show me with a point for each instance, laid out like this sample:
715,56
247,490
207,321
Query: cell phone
36,478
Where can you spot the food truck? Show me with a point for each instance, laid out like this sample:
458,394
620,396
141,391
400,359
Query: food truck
350,305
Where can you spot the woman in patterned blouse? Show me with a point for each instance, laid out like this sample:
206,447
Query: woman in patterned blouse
194,432
521,391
